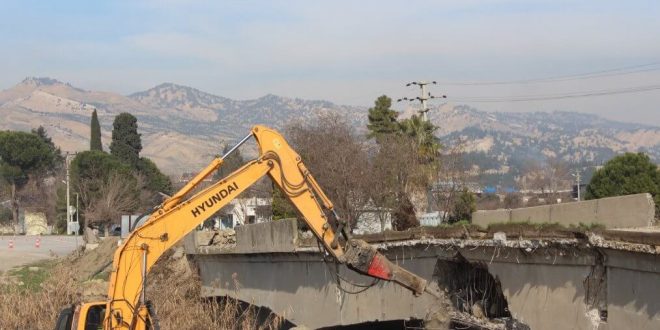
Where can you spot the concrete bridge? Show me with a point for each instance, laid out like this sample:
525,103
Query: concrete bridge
509,276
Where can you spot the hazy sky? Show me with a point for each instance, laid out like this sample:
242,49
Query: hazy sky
348,52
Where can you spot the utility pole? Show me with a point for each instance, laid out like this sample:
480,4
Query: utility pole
68,201
77,209
425,96
576,175
71,226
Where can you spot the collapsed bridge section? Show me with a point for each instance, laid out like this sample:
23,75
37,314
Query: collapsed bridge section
513,278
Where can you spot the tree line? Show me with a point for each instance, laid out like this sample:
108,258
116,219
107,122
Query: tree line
108,185
386,172
400,168
119,182
392,170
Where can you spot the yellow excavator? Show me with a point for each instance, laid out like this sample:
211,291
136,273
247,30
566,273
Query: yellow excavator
127,306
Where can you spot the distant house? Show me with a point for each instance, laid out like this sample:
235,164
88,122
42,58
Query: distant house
188,176
373,219
431,219
242,211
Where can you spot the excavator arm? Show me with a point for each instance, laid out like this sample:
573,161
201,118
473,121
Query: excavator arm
177,216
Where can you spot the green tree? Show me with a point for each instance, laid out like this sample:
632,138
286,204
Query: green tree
465,205
5,214
422,131
95,135
282,207
22,155
91,171
126,143
58,159
156,180
382,119
630,173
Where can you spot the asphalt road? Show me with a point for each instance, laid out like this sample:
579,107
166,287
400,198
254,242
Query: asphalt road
25,250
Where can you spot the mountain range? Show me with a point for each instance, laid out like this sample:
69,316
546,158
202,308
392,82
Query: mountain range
183,128
502,144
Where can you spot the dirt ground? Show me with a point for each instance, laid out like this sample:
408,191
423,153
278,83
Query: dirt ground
25,251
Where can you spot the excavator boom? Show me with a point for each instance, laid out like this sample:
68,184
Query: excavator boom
127,307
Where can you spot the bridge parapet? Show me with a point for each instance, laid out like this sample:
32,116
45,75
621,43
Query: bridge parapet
614,212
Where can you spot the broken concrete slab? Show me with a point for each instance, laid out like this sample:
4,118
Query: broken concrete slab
276,236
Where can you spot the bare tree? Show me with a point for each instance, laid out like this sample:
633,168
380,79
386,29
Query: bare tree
398,173
337,158
117,197
451,178
488,202
558,175
532,177
146,197
547,177
513,201
385,178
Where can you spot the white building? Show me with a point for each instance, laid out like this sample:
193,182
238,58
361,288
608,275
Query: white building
431,219
373,220
241,211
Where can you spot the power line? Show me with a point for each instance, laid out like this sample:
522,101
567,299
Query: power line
581,76
423,98
525,98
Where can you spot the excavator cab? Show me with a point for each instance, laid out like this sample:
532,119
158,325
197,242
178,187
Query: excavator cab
87,316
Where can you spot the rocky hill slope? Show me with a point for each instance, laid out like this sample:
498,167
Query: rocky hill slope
182,127
502,143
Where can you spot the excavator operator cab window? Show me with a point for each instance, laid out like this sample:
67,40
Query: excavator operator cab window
94,318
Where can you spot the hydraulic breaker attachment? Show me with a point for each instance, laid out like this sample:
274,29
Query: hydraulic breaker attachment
365,259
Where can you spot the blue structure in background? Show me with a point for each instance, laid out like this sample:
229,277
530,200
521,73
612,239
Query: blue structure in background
510,190
489,190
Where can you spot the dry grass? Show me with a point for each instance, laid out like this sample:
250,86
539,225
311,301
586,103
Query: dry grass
21,308
173,287
175,292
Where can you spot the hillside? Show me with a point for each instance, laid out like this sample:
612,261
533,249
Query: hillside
502,143
182,127
208,114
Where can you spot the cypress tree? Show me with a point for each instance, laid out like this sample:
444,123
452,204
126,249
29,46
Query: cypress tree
126,143
95,136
